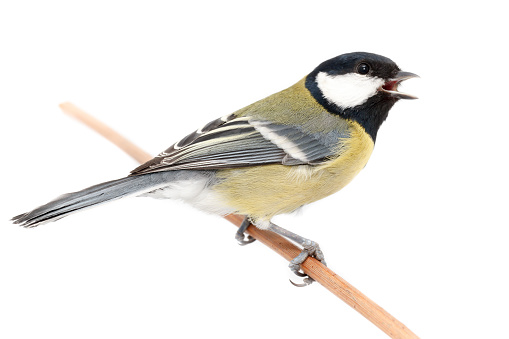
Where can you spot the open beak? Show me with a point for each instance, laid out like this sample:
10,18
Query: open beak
391,86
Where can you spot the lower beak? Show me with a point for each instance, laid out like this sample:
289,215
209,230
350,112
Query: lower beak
391,86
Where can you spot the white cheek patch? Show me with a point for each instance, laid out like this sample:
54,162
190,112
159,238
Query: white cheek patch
348,90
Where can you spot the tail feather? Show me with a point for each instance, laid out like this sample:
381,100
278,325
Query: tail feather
92,196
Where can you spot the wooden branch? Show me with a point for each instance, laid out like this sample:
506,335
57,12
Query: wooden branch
312,267
125,145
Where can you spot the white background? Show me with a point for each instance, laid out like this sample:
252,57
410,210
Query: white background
422,230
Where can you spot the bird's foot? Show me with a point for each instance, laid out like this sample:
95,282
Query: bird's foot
241,237
310,249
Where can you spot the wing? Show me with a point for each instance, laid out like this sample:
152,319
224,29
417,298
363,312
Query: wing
233,141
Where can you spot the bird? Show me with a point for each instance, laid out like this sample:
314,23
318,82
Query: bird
274,156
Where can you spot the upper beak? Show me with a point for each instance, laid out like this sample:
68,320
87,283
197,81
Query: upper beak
391,86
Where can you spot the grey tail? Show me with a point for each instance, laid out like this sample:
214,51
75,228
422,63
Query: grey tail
92,196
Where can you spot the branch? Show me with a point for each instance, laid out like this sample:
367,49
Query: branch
312,267
125,145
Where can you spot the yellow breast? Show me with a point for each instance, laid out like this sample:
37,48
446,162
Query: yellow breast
265,191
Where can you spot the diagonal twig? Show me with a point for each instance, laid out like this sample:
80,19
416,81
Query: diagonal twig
312,267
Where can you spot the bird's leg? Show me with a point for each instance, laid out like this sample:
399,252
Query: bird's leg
309,248
241,236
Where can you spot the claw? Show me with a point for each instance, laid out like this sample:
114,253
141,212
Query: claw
306,282
296,270
243,240
299,273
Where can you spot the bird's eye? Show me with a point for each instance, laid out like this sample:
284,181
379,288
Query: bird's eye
363,69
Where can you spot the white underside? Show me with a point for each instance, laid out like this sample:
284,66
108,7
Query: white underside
195,192
199,195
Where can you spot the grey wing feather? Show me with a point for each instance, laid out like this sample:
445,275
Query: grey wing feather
233,141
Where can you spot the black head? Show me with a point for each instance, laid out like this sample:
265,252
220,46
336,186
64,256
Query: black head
359,86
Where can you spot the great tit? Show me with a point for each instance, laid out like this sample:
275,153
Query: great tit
271,157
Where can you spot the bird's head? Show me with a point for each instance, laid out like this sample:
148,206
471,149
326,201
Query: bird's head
359,86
